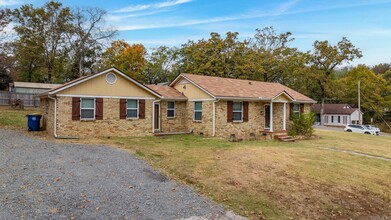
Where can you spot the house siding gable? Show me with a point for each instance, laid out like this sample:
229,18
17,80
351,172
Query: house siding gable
190,90
98,86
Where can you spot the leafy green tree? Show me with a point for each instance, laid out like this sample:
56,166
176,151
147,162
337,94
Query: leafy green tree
326,57
161,65
129,58
273,57
387,76
375,93
216,56
46,27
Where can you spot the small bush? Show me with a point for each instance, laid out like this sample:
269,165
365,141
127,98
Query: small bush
302,125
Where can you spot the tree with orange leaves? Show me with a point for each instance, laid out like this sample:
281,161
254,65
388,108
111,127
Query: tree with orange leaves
128,58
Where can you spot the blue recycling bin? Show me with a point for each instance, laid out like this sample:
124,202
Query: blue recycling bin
33,121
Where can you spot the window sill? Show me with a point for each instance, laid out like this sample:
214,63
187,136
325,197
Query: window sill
132,119
170,118
86,120
237,122
197,121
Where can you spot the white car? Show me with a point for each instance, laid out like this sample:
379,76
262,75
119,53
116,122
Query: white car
359,129
374,128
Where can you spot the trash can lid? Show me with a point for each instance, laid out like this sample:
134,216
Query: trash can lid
34,114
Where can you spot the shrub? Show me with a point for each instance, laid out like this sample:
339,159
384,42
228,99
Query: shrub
302,125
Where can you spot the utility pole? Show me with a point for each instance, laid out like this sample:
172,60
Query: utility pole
359,104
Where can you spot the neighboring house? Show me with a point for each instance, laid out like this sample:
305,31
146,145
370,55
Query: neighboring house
111,103
337,114
31,88
25,92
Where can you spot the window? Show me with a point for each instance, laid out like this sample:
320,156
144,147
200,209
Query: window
131,108
237,111
345,119
87,109
197,111
326,119
296,110
332,119
339,119
170,109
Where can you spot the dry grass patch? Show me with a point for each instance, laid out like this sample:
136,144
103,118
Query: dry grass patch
14,118
273,179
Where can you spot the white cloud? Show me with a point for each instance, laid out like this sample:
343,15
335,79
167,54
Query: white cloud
9,2
158,5
281,9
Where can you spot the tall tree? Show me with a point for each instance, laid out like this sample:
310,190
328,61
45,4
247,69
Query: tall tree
375,93
6,61
326,57
87,37
381,68
161,65
129,58
216,56
46,26
274,58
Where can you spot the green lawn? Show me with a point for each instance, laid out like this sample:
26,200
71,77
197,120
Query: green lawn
271,179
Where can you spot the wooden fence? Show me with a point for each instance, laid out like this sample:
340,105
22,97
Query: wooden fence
30,100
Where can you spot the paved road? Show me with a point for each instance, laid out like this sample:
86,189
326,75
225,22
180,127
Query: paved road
45,180
341,129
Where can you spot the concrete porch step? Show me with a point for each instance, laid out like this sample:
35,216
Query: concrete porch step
285,138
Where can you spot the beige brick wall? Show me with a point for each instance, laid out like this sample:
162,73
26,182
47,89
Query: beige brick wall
47,112
278,116
111,125
206,125
176,124
240,129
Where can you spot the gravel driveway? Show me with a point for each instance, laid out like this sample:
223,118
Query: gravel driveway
45,180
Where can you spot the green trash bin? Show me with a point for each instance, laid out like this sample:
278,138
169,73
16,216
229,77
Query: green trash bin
33,121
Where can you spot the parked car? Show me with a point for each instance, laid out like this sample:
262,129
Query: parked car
359,129
374,128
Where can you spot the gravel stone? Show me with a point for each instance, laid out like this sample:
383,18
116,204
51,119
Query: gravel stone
45,180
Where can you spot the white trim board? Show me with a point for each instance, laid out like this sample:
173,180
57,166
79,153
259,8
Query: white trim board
108,97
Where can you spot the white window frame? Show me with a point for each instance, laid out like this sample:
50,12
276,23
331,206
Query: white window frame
171,109
296,112
197,111
137,108
81,109
241,111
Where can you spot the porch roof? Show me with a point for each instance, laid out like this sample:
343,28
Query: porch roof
167,92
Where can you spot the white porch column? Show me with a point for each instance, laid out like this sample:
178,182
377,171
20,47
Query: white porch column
284,119
271,115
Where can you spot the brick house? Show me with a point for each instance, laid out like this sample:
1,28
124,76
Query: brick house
111,103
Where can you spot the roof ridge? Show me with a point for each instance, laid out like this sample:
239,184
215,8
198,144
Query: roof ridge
222,77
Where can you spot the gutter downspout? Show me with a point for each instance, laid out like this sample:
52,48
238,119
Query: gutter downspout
55,121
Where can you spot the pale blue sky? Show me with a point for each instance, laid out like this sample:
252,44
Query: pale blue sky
367,23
